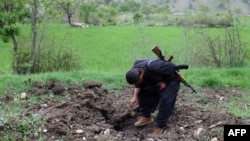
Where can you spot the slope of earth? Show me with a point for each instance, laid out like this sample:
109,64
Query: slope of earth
177,6
90,113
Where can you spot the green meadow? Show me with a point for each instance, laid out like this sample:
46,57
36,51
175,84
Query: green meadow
106,53
111,50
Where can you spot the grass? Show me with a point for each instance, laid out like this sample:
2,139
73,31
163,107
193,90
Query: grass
17,84
111,48
197,77
106,54
5,55
219,78
225,78
97,47
239,105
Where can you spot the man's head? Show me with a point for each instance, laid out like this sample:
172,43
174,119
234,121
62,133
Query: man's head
134,75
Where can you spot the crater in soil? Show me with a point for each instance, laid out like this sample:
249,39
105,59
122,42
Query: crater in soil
89,112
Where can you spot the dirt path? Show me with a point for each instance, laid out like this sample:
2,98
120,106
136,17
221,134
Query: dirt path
93,114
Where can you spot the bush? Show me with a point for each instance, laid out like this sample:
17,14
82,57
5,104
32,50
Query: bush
49,57
55,59
22,61
137,17
93,19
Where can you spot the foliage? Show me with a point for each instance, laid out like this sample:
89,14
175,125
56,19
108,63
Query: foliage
21,128
55,57
218,77
238,105
92,13
22,59
107,14
130,6
164,9
11,13
225,49
12,128
137,17
105,44
146,10
86,10
68,7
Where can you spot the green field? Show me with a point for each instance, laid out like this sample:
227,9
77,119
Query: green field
106,53
110,48
109,51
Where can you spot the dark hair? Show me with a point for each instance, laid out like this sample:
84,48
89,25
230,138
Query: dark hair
133,75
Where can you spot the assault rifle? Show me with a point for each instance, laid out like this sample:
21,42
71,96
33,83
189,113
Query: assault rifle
157,51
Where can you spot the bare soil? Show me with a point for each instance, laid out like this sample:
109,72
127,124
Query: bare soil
88,112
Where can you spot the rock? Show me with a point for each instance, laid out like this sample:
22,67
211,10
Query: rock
23,95
106,132
199,132
79,131
198,121
45,130
221,98
44,105
214,139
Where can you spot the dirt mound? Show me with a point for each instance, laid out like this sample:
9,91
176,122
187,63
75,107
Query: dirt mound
91,113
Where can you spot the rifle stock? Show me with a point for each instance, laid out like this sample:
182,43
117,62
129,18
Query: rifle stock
158,53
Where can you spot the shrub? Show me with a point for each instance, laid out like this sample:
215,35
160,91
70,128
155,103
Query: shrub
137,17
49,57
53,58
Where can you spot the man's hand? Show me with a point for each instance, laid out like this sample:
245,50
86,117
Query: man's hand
133,102
161,85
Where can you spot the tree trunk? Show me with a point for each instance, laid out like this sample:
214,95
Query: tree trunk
15,67
34,36
69,18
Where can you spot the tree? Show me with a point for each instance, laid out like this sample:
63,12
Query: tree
146,10
34,33
68,7
107,14
12,12
130,6
86,9
225,49
137,17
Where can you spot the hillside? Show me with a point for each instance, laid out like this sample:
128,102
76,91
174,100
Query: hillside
214,5
178,6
